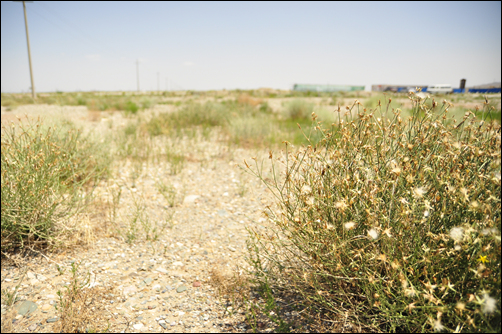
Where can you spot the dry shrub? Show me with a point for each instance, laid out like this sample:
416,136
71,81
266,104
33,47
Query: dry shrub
47,177
231,287
249,100
394,222
82,307
94,115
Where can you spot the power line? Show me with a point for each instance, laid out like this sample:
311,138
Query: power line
71,25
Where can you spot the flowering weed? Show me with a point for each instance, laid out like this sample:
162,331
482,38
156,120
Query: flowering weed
400,224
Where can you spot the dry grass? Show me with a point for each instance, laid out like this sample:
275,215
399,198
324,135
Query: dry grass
249,100
84,310
94,116
389,221
304,289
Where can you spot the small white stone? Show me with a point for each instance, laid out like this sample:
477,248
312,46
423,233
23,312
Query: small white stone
137,326
190,199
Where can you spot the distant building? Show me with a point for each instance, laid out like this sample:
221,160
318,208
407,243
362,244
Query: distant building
326,88
493,87
483,89
397,88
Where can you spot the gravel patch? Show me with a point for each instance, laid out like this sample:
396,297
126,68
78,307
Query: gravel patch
161,283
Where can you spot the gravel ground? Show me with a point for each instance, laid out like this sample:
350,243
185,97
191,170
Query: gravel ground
161,285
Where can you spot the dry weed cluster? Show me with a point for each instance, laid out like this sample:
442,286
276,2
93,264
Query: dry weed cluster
392,220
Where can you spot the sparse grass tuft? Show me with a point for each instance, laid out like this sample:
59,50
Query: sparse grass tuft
9,298
47,176
168,191
81,307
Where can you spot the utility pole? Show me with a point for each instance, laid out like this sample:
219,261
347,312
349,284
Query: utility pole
158,82
137,72
33,94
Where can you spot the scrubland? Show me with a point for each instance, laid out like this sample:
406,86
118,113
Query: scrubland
386,212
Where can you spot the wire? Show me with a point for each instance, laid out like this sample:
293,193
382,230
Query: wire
82,36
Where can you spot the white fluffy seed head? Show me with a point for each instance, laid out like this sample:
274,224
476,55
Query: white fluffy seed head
457,233
373,234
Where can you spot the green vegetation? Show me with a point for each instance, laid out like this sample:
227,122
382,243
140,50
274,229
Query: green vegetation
388,216
47,176
94,101
299,109
392,223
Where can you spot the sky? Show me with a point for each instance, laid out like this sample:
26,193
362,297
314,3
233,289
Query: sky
86,46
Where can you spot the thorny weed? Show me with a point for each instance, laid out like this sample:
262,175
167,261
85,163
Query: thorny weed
394,221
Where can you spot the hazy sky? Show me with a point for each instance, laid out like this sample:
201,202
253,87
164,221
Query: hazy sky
215,45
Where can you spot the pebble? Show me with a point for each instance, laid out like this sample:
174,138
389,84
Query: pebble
129,289
161,270
45,308
32,327
181,289
26,307
196,284
190,199
137,326
52,320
